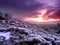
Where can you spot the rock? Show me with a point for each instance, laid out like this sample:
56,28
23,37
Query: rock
2,38
2,41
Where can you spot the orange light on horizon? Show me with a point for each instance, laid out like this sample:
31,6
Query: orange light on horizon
40,17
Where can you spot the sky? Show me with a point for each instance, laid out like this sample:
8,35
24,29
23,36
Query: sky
32,8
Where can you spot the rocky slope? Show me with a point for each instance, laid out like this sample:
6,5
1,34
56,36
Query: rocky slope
18,33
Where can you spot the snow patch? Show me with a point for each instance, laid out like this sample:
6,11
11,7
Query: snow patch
5,34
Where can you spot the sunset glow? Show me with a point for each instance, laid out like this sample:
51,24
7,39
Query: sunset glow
40,17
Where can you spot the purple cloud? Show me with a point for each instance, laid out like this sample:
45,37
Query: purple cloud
29,7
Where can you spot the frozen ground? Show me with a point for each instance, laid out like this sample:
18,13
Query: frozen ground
15,34
7,35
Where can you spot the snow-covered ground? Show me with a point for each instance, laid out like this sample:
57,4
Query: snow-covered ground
5,34
21,34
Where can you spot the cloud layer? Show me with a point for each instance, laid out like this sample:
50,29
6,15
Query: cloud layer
29,7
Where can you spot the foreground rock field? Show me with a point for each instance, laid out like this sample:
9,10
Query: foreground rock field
18,33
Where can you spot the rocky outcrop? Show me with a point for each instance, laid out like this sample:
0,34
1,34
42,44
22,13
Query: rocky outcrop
13,34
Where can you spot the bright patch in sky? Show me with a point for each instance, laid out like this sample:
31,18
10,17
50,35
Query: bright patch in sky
40,17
